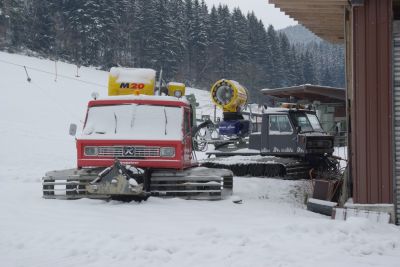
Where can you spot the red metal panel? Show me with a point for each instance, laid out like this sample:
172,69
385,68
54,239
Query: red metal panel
384,25
372,107
359,108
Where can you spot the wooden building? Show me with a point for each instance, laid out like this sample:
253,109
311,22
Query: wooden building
368,30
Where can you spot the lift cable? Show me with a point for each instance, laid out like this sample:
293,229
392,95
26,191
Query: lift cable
52,99
50,73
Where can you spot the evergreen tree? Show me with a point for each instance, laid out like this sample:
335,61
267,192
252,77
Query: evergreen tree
176,11
224,38
17,22
296,69
287,61
43,39
199,40
308,69
109,13
73,14
240,45
163,40
3,24
185,39
277,67
122,39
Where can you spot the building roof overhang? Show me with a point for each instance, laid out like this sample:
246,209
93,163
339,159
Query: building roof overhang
324,94
325,18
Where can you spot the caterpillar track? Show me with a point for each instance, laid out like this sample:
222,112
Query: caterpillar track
262,166
198,183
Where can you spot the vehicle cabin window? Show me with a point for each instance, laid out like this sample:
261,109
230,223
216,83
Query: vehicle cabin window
279,125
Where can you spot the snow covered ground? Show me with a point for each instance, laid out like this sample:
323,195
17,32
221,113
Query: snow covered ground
270,228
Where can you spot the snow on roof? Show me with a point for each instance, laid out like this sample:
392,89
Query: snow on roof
145,97
125,75
271,110
255,109
176,84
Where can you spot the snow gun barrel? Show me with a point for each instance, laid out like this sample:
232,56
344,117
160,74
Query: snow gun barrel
229,95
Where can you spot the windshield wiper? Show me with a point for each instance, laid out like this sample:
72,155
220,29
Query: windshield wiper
133,116
312,131
116,123
166,121
309,131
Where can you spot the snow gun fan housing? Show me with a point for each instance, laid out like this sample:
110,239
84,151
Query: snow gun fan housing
231,97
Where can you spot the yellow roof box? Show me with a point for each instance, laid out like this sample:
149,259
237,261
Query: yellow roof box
131,81
176,89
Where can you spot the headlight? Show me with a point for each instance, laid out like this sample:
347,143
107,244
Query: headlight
178,93
167,152
91,151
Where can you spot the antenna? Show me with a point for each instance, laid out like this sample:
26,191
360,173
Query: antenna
160,82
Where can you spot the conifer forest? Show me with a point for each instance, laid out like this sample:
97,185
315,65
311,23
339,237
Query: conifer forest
190,41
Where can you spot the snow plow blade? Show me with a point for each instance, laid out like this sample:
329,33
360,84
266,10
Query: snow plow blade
196,183
116,182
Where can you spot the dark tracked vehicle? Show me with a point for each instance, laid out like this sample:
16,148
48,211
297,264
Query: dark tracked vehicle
289,142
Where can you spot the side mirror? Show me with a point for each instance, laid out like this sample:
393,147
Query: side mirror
72,129
298,129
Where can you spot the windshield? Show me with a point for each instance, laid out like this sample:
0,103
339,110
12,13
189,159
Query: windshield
132,121
314,122
308,122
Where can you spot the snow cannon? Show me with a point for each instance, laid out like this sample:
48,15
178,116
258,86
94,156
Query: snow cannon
231,97
131,81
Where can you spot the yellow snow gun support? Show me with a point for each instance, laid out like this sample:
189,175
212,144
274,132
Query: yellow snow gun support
131,81
229,95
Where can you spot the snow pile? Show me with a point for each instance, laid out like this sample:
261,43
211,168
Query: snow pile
146,97
126,75
270,228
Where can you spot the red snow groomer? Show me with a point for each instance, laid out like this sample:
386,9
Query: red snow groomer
135,144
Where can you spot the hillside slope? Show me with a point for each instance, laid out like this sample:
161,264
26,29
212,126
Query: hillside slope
300,35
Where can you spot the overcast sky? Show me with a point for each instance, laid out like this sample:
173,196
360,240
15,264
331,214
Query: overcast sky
264,11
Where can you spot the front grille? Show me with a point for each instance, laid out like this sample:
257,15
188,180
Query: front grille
129,151
319,143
